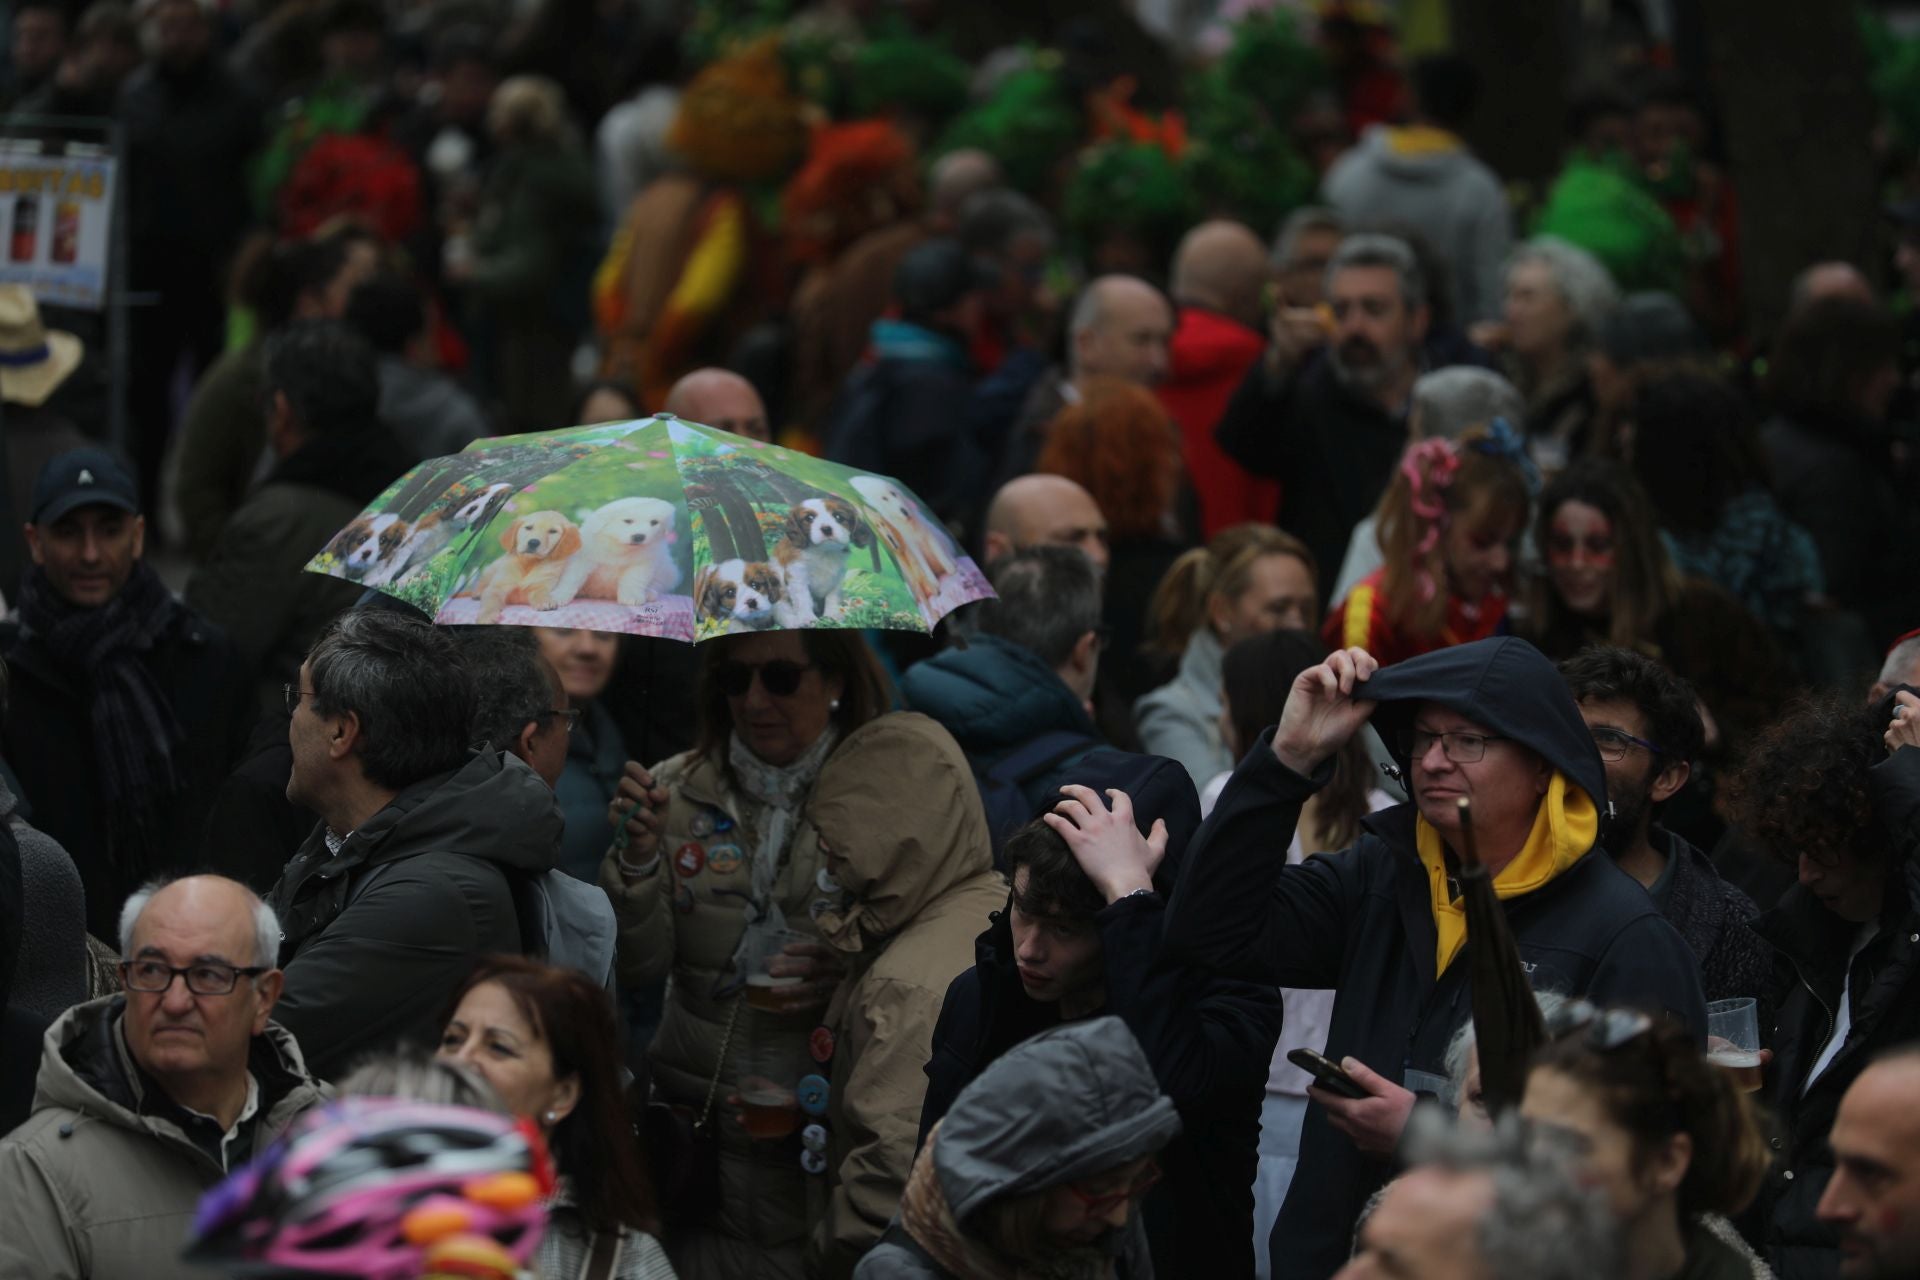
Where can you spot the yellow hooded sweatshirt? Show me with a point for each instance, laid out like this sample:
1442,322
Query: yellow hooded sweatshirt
1564,829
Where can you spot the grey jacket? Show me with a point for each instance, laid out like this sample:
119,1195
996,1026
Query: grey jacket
1069,1104
1419,178
104,1180
1181,719
50,974
376,937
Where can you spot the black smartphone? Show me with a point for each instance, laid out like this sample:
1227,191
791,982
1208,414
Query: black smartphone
1327,1073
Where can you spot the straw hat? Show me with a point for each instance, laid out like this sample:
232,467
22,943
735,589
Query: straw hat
33,359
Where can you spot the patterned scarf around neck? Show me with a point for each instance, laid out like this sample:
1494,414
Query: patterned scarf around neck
135,734
928,1219
777,791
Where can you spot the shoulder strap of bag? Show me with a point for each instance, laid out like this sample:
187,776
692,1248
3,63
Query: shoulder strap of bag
605,1257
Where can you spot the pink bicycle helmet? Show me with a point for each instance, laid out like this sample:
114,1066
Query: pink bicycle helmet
367,1186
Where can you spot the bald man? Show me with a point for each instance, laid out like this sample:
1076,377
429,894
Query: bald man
1045,510
1830,280
1219,273
1873,1197
1120,328
148,1098
955,178
1222,266
721,399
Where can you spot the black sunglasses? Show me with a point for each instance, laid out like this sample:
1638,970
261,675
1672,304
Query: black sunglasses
779,677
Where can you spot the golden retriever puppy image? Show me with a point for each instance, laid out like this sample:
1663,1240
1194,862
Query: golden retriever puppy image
540,548
626,554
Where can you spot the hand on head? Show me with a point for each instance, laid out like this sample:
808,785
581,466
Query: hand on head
1324,710
1904,729
1106,842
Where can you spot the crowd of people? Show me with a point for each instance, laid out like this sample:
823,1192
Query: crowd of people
1353,518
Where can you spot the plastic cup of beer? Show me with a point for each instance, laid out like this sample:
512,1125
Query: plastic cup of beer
767,1110
1733,1040
766,992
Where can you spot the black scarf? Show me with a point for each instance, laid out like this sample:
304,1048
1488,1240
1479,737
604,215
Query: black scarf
135,733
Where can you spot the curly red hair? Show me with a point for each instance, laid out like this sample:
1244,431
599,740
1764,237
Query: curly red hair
1120,446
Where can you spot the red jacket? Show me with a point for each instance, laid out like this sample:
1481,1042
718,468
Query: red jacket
1209,356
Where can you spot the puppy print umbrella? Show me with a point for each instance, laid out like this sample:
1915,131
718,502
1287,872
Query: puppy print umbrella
654,527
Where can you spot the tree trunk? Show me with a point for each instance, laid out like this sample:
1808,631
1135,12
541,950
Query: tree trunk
1790,77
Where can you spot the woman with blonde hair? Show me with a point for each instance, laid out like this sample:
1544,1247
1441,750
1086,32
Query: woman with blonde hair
1448,526
1251,579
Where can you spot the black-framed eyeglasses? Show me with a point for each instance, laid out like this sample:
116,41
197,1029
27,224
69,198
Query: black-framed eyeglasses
293,694
1458,746
569,716
204,978
780,677
1605,1029
1615,743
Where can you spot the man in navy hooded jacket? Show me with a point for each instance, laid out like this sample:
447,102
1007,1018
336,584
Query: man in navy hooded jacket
1209,1038
1380,924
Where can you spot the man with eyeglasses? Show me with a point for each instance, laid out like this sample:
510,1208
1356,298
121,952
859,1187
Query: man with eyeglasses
410,873
1646,723
1382,923
148,1098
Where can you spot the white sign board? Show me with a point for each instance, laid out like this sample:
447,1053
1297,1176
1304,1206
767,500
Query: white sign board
55,220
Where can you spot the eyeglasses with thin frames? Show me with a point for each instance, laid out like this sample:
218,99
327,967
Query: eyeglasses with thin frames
570,715
1615,743
204,977
293,694
1106,1202
1458,746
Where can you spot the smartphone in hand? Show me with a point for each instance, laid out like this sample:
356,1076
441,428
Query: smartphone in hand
1327,1073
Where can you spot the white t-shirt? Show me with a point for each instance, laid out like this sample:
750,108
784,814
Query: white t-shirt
1843,1018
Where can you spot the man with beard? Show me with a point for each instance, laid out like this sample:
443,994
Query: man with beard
1873,1199
1646,722
1325,411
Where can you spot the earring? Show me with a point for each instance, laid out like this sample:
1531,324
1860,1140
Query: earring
833,704
552,1118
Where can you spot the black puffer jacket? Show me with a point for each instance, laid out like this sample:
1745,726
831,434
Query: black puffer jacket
1210,1039
1812,945
376,937
1361,923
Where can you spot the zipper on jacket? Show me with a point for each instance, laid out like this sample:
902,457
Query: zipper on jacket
1831,1017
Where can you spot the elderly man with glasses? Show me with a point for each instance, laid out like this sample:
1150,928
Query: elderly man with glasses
1646,723
1381,924
149,1098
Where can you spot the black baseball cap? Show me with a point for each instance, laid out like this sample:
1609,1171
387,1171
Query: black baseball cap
82,478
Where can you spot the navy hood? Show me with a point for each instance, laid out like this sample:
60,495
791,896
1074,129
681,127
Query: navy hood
1158,787
1505,684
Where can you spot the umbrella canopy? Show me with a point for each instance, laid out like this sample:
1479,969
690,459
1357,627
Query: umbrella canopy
1507,1026
654,527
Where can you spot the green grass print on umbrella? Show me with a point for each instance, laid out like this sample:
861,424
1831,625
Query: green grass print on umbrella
435,537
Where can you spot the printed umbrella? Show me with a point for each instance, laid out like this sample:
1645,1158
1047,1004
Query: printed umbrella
656,527
1507,1026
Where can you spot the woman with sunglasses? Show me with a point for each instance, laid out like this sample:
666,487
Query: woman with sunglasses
719,860
1670,1139
1038,1168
